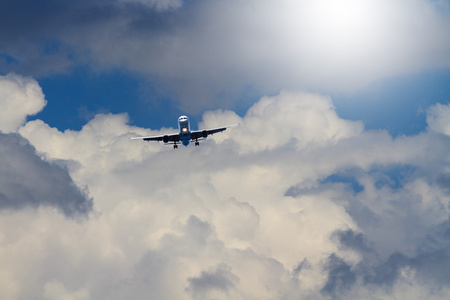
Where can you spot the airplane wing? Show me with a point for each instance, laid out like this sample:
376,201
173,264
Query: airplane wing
204,133
175,137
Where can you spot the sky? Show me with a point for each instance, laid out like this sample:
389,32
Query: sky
336,185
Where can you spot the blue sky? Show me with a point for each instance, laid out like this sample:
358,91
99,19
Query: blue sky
394,104
336,184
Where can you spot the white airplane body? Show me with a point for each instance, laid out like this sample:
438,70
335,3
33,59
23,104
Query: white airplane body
184,135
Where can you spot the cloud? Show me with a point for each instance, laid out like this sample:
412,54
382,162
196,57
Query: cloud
426,267
28,181
220,278
354,241
304,119
204,53
295,202
340,276
19,98
438,118
160,5
54,290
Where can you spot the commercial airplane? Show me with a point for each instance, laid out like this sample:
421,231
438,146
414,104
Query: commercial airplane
184,135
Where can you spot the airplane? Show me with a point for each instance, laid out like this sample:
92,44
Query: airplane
184,135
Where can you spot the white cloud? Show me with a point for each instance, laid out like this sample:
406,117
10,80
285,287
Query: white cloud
19,98
250,214
54,290
438,118
303,120
27,180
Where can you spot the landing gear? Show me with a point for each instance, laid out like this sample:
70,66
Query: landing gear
197,143
175,146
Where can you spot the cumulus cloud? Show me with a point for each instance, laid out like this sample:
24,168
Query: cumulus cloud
311,121
19,98
220,279
295,202
205,53
28,181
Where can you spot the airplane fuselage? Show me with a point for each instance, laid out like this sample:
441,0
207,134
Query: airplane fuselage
184,130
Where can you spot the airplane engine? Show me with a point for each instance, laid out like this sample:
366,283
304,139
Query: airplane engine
165,138
204,133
